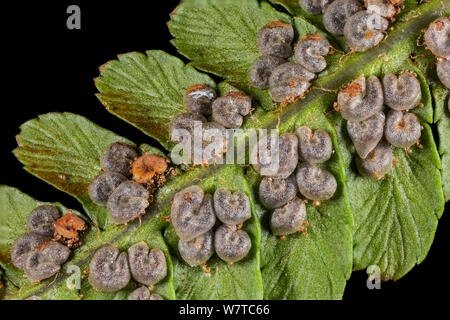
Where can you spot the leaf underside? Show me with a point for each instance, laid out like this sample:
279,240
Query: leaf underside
393,55
64,150
388,223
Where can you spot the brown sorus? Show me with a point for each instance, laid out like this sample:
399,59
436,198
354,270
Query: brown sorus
69,229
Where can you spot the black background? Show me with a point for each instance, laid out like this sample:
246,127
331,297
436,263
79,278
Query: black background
47,68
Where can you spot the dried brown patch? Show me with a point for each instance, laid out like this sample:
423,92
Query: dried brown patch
293,83
277,24
353,89
187,197
316,36
236,94
372,155
439,25
196,87
103,66
174,11
147,167
304,228
401,125
199,246
369,34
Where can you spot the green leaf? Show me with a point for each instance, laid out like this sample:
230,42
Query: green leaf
242,281
220,37
147,149
385,213
426,62
314,266
146,90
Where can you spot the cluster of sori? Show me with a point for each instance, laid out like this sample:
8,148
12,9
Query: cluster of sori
437,40
126,199
361,103
226,112
193,216
361,25
46,246
111,270
287,80
278,189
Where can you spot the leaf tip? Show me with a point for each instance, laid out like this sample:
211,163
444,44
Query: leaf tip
103,67
174,11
